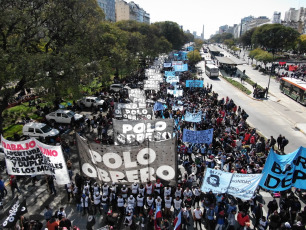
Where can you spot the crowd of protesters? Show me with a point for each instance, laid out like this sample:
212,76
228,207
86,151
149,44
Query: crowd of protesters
236,147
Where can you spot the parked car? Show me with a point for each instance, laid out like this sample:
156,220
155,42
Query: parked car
89,102
63,116
115,87
34,129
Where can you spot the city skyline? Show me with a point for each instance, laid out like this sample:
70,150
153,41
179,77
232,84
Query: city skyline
192,17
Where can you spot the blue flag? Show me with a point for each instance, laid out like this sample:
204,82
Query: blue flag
158,106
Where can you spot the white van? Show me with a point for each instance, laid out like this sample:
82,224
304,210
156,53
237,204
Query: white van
116,87
34,129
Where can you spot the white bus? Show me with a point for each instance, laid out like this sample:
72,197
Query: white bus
211,71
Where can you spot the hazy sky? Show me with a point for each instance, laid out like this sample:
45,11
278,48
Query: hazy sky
193,14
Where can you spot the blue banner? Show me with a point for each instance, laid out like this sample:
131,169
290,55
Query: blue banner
281,172
193,117
203,136
158,106
169,73
181,56
167,65
190,48
194,83
172,79
181,68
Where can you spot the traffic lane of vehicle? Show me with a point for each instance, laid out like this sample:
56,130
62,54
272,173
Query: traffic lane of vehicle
262,115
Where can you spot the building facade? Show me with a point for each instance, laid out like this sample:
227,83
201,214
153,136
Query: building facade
131,11
276,18
296,19
108,6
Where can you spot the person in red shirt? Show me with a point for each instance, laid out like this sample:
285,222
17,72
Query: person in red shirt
52,224
242,219
247,136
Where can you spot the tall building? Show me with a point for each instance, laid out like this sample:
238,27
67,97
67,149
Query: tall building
243,24
202,34
223,29
296,19
276,18
131,11
108,6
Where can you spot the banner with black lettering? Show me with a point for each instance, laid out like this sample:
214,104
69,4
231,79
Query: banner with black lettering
201,136
156,77
239,185
137,114
128,164
175,92
151,84
32,157
281,172
131,132
193,117
14,214
119,106
136,93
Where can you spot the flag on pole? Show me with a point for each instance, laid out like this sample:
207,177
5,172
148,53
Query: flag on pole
178,221
151,212
157,219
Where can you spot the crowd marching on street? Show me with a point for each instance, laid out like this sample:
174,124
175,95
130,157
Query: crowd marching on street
236,147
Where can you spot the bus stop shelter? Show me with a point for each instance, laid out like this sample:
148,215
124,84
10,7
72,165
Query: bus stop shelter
227,64
215,51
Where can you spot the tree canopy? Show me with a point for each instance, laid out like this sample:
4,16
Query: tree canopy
57,46
274,37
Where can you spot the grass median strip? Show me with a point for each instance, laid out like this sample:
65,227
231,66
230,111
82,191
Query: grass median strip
238,85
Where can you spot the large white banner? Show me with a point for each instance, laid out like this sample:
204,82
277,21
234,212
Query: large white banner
31,157
175,93
243,185
216,181
239,185
151,84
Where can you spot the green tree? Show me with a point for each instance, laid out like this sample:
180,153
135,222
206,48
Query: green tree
301,44
275,37
254,53
264,57
173,33
44,45
246,38
193,57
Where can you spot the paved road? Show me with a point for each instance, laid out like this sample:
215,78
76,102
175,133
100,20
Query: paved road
277,115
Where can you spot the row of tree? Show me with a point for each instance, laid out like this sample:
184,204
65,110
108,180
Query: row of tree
270,37
273,38
55,46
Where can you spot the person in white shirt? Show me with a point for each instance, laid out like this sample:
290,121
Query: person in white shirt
167,191
131,201
141,190
120,204
149,188
105,189
97,201
197,193
158,202
84,203
168,205
178,192
197,216
177,203
124,191
134,189
187,193
140,203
